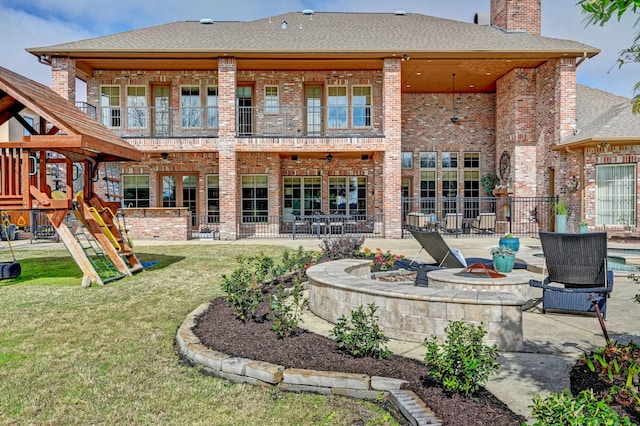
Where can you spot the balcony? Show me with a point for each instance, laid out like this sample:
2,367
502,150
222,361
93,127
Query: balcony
317,121
251,121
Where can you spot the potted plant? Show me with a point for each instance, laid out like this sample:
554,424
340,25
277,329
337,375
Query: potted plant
561,216
503,258
510,241
584,227
488,182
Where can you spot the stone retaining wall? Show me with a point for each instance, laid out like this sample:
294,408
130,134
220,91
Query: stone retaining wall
298,380
412,313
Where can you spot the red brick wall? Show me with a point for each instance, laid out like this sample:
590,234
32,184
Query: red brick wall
161,224
392,173
517,15
227,158
515,112
63,78
426,126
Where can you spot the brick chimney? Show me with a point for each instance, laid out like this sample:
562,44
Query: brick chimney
517,15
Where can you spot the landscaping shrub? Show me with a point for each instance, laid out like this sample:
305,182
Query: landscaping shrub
463,362
361,336
341,247
582,410
611,372
287,315
244,291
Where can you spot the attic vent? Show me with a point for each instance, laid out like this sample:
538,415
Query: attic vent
307,12
206,21
482,19
284,25
400,13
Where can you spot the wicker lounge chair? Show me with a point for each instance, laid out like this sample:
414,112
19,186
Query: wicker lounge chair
576,272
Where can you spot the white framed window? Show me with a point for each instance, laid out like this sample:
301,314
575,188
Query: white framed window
136,191
136,107
190,106
302,196
348,195
337,107
271,100
213,198
471,183
407,160
212,107
255,198
110,113
428,160
616,194
361,103
428,182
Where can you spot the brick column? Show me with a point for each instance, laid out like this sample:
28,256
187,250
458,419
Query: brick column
227,155
63,77
392,172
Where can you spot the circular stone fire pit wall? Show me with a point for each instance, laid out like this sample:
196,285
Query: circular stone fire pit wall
412,313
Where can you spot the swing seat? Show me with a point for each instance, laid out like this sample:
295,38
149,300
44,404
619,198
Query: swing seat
10,270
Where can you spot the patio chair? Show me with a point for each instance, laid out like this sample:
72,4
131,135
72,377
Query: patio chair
452,222
577,273
444,256
485,223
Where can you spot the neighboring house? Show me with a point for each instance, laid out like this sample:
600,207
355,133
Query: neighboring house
602,162
258,125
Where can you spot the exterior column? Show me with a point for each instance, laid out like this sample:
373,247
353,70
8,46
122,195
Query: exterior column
227,169
63,77
392,172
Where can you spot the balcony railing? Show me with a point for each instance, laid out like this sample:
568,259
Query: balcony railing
316,121
255,121
160,121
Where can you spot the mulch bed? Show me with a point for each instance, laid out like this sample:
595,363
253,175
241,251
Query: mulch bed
218,329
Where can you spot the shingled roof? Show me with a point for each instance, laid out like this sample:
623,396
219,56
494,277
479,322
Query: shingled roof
81,134
603,117
322,33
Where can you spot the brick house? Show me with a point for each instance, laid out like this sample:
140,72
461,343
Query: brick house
261,124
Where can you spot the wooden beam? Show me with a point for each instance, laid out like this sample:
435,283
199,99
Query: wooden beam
76,251
24,123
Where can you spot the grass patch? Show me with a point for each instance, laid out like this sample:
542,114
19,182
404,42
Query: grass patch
105,354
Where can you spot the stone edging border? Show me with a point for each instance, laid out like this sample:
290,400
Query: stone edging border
261,373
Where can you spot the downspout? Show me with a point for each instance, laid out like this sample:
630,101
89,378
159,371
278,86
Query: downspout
44,59
581,60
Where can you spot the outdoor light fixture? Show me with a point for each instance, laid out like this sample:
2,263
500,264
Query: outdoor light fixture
453,118
329,157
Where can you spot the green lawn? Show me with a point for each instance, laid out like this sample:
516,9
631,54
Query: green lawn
105,355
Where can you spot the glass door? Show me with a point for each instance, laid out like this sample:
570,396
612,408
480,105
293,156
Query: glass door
244,105
313,103
160,110
181,191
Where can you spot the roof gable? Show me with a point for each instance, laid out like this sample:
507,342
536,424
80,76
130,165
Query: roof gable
94,140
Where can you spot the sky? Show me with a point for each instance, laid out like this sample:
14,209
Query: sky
35,23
